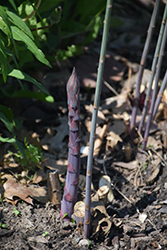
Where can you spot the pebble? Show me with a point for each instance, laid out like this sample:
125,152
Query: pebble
84,242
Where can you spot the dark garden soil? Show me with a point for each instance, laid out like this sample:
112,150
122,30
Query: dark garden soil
136,218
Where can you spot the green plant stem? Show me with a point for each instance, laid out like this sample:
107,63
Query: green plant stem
94,118
153,69
153,99
141,68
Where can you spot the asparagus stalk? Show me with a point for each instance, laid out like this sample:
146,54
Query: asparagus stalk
94,118
163,86
155,91
153,69
72,178
142,65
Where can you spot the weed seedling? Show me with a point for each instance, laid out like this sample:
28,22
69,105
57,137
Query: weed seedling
45,234
32,159
16,212
2,225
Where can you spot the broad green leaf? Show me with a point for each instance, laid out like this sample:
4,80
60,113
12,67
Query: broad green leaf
9,140
28,94
21,36
9,115
13,4
14,141
8,124
23,76
3,60
4,23
15,19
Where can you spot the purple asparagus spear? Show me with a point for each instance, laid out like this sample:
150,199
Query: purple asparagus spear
72,178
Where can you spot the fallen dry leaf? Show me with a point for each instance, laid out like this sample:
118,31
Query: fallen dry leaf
56,142
59,165
117,104
33,139
112,140
100,117
128,165
118,127
15,189
86,67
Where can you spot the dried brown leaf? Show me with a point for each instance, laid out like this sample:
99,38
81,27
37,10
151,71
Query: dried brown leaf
112,140
59,165
117,104
128,165
87,70
55,142
14,189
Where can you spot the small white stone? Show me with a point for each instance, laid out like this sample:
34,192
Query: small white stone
84,242
165,185
142,217
84,150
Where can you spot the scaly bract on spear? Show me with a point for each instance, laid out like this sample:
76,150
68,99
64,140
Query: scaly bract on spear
72,177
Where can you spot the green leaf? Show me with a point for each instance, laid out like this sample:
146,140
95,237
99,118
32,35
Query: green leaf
30,94
66,214
23,76
9,125
9,140
3,60
4,23
2,225
13,4
49,98
14,141
19,35
15,19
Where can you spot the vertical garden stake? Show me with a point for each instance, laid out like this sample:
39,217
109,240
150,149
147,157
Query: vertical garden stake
72,178
94,118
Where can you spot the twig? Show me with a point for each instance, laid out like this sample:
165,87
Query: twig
159,156
36,8
111,88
